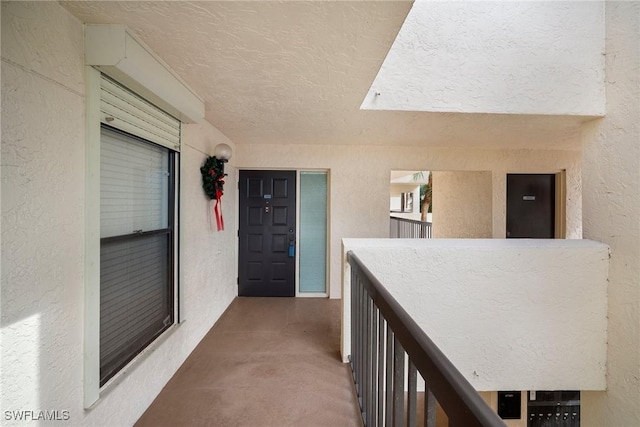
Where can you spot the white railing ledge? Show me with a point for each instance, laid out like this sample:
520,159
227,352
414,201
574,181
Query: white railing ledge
511,314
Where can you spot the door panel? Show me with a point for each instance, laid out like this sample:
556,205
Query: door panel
531,206
266,264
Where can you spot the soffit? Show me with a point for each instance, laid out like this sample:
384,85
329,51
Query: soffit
297,72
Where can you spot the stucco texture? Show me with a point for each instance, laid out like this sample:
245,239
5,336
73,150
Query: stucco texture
510,314
295,72
43,233
42,208
495,57
611,180
359,182
462,205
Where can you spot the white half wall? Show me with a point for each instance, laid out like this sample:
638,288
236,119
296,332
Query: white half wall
510,314
531,57
43,205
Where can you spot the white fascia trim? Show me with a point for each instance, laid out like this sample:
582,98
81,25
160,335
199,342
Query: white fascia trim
116,52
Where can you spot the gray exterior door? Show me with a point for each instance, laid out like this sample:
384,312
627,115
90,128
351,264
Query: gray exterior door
531,206
267,233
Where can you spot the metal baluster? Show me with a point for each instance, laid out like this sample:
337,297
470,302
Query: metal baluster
429,408
381,366
360,344
398,383
366,404
378,360
352,356
357,331
373,355
389,379
412,404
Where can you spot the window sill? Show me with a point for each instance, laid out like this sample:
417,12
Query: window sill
118,378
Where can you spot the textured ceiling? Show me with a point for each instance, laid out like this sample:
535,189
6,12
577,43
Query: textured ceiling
296,72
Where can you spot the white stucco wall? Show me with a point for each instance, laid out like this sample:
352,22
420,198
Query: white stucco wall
43,158
395,191
522,314
462,204
611,177
359,182
495,57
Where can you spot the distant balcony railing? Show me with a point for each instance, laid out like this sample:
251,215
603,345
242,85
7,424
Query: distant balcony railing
382,333
402,228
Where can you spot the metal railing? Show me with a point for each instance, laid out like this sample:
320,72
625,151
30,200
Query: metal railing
403,228
382,334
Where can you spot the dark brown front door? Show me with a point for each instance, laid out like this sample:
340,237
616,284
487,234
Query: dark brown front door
267,233
531,206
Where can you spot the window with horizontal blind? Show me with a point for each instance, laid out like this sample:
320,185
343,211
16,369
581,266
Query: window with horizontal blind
137,241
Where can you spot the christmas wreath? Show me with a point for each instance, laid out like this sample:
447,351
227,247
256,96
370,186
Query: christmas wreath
213,177
212,182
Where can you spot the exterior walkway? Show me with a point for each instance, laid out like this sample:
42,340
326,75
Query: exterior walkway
266,362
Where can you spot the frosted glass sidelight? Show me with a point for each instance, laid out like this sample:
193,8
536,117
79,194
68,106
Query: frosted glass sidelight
313,232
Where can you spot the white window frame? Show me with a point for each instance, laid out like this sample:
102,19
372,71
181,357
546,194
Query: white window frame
91,370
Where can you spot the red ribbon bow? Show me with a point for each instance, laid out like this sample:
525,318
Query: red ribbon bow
217,211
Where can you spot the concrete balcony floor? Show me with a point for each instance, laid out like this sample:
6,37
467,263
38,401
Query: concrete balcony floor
266,362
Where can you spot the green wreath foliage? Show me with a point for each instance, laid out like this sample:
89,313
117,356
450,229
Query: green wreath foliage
212,177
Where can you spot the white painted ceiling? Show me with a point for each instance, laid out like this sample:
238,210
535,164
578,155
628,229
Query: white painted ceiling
296,72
